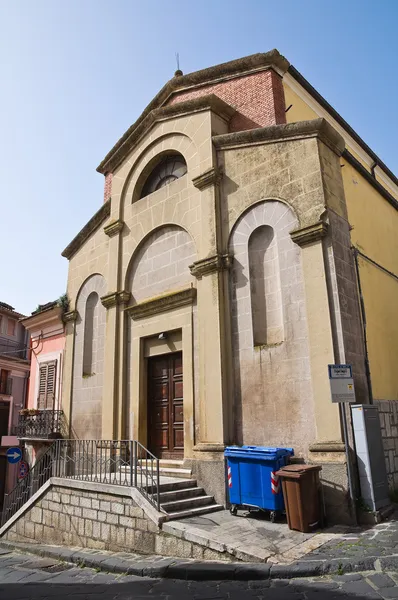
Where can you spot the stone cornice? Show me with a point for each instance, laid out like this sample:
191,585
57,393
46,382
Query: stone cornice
211,177
215,263
71,316
161,304
114,228
228,70
318,128
136,131
89,228
115,298
310,234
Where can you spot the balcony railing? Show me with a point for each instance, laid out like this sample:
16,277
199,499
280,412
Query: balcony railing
43,425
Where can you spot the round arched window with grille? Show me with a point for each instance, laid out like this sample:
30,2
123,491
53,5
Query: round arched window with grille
169,169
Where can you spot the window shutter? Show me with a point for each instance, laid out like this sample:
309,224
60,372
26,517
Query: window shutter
51,380
47,385
41,400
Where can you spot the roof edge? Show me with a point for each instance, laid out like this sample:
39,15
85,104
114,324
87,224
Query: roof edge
49,314
137,130
83,235
228,69
275,133
333,112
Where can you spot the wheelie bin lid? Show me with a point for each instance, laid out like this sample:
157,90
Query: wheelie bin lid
258,452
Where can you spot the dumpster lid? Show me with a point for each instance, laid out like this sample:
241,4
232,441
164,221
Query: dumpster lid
297,471
265,451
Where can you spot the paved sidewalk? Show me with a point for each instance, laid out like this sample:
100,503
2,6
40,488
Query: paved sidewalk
251,536
372,549
23,577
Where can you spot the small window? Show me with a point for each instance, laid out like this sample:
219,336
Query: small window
47,384
5,382
169,169
11,326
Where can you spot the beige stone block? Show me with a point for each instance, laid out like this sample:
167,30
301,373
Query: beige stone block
134,511
126,521
141,524
197,552
96,530
29,530
105,531
89,513
88,528
112,519
95,544
38,533
36,515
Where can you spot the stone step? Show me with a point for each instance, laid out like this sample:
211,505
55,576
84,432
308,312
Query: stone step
194,512
175,485
187,504
181,494
163,471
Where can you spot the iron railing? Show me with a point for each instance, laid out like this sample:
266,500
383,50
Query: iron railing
43,425
116,462
43,469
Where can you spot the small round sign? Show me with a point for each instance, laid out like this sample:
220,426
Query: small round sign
14,455
23,469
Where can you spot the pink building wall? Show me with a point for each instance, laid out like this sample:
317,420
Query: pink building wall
46,347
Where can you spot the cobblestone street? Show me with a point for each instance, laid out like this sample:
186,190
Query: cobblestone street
26,577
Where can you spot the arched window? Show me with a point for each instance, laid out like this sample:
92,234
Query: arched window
90,329
170,168
265,287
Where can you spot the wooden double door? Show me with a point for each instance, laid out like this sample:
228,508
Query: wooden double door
165,406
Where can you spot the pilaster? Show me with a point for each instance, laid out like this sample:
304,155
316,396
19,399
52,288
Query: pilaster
327,420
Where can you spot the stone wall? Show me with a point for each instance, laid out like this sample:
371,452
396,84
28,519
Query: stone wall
388,412
273,395
87,387
74,515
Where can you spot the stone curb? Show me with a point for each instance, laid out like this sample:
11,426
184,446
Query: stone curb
172,568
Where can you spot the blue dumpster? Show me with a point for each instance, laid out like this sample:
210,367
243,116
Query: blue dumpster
252,481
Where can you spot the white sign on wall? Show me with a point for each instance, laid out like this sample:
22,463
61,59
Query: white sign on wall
341,383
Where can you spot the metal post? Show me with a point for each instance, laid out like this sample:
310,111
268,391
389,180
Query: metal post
131,463
135,463
157,484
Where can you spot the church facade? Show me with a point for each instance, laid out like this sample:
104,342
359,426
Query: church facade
217,280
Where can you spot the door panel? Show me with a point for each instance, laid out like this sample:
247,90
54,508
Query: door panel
165,406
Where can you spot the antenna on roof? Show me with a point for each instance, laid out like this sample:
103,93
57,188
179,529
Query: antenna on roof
178,73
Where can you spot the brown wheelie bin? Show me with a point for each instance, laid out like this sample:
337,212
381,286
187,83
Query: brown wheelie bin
301,491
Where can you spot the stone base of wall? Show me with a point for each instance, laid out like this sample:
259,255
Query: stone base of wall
69,513
335,487
388,412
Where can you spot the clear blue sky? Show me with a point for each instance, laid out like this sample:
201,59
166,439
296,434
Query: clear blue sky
75,74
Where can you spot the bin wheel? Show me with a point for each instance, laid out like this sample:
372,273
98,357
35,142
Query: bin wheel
272,516
233,510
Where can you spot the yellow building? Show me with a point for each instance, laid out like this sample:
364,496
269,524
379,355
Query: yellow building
243,221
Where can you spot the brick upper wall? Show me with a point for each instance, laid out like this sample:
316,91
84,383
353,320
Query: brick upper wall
258,98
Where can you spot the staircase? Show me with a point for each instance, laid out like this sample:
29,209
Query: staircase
180,495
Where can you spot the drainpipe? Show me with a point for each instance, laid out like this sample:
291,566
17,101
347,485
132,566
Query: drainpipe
363,320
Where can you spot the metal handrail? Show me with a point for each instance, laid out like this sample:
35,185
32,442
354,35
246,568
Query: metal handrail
42,470
117,462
